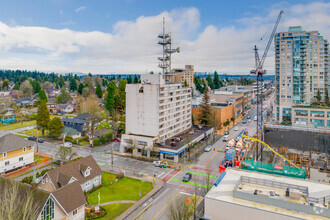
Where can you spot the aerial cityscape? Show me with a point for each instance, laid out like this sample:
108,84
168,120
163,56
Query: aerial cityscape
174,110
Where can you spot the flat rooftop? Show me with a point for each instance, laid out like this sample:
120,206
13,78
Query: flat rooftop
233,189
183,138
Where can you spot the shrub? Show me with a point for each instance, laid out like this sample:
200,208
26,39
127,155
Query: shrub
81,139
108,136
102,139
96,142
120,174
29,179
69,139
83,143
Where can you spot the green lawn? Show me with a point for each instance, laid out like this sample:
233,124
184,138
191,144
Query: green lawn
124,189
38,158
33,132
114,210
17,125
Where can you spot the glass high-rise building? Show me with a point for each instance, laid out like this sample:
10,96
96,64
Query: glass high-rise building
301,70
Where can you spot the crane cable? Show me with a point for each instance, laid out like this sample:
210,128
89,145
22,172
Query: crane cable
251,138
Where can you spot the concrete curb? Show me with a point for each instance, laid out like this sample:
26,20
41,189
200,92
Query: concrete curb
158,186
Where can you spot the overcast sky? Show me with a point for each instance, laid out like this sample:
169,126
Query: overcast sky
120,36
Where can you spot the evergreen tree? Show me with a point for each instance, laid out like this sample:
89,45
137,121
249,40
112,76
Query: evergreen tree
5,84
110,99
319,97
42,95
136,79
73,85
210,81
326,97
43,117
55,127
64,96
205,115
129,79
80,88
16,87
98,91
216,81
61,82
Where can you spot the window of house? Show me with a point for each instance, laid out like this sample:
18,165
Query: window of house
87,172
6,163
48,210
87,184
96,179
43,181
5,154
24,149
20,159
75,212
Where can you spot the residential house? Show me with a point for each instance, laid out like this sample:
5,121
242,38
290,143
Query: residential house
84,171
71,132
25,101
53,107
5,92
7,117
52,93
80,122
67,203
15,152
65,108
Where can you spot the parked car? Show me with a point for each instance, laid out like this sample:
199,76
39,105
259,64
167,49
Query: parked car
117,139
67,144
244,122
40,140
236,129
250,120
33,138
255,118
161,164
226,132
225,138
187,177
248,117
207,148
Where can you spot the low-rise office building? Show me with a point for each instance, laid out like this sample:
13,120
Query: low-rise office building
309,117
240,194
15,152
183,75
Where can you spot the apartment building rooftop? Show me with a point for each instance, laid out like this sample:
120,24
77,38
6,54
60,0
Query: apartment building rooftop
277,195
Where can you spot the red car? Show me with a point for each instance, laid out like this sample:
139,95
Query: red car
117,139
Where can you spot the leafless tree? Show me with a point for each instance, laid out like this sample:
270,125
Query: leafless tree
17,202
180,210
92,107
65,152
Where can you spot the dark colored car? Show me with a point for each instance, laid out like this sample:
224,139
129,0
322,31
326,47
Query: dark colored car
227,133
33,138
187,177
244,122
248,117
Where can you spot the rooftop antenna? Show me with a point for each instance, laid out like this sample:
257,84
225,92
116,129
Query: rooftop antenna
165,60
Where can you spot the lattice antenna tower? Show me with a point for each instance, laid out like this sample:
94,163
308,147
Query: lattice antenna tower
165,60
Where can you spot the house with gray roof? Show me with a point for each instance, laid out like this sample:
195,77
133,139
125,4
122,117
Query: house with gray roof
85,171
15,152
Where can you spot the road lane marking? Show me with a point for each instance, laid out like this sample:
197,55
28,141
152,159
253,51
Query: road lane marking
207,163
160,174
191,183
200,174
165,205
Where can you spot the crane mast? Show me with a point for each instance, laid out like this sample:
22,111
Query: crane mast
259,71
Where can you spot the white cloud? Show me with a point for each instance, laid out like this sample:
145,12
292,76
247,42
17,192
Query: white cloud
132,45
81,8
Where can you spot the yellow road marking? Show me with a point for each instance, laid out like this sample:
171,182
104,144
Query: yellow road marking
165,205
207,163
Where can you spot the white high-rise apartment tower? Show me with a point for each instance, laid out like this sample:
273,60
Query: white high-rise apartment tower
301,70
155,111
